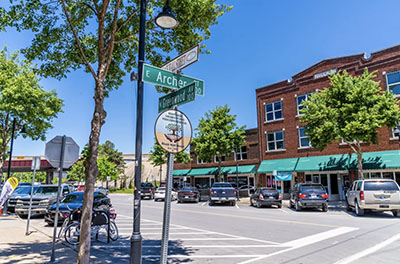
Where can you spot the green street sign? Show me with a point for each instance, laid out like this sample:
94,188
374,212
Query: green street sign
169,79
181,96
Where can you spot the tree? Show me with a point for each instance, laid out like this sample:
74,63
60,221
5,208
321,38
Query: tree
217,135
77,171
70,35
352,109
23,100
159,157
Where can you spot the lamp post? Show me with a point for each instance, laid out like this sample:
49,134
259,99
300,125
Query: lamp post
237,175
9,159
166,20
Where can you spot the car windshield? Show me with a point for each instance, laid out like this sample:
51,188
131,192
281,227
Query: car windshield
161,189
222,184
147,184
24,190
380,186
73,198
269,191
312,188
47,190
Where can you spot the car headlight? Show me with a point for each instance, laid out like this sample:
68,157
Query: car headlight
44,202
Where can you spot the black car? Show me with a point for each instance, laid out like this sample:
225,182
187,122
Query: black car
308,195
72,201
147,190
188,194
266,196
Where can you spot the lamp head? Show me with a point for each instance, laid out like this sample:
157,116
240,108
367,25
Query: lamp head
23,130
167,18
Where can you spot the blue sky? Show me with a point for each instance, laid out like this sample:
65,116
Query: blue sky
258,43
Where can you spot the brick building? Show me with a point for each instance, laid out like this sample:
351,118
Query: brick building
199,173
286,154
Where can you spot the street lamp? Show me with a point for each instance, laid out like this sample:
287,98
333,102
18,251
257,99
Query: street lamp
9,159
396,130
237,175
165,20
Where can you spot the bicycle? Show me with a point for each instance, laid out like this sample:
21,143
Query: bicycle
101,219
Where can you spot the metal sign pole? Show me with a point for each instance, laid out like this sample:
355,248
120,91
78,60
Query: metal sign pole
35,163
60,171
167,210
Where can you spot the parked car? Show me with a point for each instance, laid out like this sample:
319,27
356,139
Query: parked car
101,189
222,192
19,193
73,201
266,196
188,194
160,194
80,188
373,194
308,195
246,190
44,195
147,190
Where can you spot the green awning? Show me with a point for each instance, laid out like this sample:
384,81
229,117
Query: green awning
180,172
203,171
324,163
280,165
377,160
247,169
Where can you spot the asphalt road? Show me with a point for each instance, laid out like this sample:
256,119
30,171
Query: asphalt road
243,234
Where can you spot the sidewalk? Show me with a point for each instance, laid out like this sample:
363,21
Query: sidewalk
15,247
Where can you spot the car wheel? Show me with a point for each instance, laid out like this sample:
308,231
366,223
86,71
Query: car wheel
211,203
325,208
359,211
348,208
395,212
198,200
251,202
233,203
279,205
258,204
155,200
298,207
290,204
178,201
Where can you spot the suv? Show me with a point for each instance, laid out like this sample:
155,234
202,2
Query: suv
373,194
308,195
147,190
44,195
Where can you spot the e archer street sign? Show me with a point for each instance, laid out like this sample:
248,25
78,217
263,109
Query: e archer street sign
169,79
181,96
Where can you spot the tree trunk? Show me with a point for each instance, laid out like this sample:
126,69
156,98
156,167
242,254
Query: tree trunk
359,164
91,173
219,170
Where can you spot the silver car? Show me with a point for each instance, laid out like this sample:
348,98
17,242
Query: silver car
373,194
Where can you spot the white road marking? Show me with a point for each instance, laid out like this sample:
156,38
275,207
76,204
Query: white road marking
189,246
203,204
158,228
283,211
302,242
237,206
188,233
368,250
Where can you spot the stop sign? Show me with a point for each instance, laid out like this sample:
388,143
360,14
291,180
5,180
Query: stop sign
53,151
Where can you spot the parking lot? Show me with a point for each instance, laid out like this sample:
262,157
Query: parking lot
243,234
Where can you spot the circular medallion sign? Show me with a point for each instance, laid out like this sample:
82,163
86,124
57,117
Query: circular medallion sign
173,131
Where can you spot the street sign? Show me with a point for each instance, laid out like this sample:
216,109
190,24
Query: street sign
183,60
173,131
35,163
169,79
179,97
53,152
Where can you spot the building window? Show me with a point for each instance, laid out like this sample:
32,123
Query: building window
275,141
304,141
200,161
393,82
273,111
241,153
300,100
216,158
395,135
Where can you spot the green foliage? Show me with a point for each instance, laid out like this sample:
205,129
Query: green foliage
159,156
27,176
22,99
352,109
77,171
217,135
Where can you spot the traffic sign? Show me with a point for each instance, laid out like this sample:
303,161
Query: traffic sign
173,131
53,152
181,96
169,79
183,60
35,163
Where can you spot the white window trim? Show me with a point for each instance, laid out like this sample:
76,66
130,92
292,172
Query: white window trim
240,153
387,82
393,137
199,161
297,102
222,157
309,142
283,140
273,111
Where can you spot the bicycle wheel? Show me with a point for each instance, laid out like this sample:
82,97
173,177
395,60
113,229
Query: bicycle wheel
64,225
113,231
72,233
